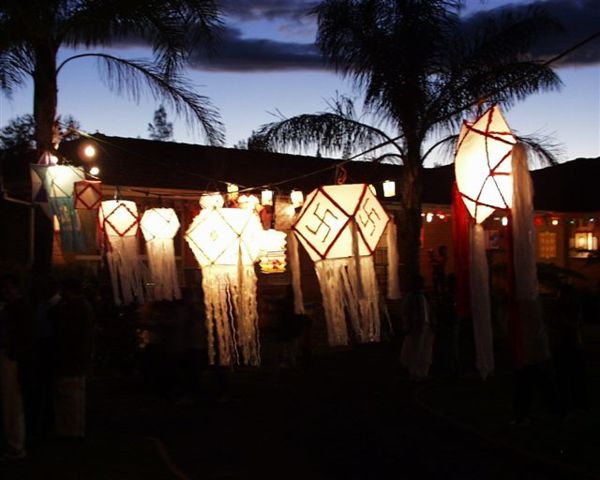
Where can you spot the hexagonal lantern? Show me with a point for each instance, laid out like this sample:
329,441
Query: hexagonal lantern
225,242
340,226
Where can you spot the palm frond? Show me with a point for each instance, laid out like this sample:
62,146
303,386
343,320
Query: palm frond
131,77
327,131
171,27
543,150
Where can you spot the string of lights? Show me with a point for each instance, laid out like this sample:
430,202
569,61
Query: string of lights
387,186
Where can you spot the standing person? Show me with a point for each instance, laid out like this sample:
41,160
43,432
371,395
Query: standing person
42,418
73,323
15,363
418,322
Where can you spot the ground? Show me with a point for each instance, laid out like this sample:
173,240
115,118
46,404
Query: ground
352,414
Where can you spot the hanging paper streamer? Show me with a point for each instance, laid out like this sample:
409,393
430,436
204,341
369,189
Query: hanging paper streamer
57,183
483,175
393,283
159,227
531,341
461,230
120,223
296,274
340,226
225,242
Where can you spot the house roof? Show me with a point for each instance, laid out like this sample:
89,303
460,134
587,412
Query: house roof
568,187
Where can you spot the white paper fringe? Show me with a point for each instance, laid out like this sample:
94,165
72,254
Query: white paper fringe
393,284
163,270
340,291
524,257
480,302
231,314
126,270
294,260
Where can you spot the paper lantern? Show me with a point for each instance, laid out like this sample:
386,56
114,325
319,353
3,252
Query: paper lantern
212,200
272,251
340,226
88,194
120,223
483,168
483,164
159,227
389,188
266,197
232,191
249,202
297,198
56,184
226,244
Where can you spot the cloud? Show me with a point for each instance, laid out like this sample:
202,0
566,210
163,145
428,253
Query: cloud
237,54
580,19
245,10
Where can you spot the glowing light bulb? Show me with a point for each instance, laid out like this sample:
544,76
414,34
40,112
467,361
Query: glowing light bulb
429,217
94,171
89,151
504,221
555,222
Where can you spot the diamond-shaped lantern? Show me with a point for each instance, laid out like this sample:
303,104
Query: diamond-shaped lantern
159,223
120,222
88,194
326,221
483,164
119,218
217,236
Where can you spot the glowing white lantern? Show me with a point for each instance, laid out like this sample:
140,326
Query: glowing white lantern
297,198
483,168
340,226
389,188
272,251
483,164
226,244
232,191
212,200
159,226
249,202
54,184
266,197
120,223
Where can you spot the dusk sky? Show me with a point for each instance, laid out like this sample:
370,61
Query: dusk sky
267,63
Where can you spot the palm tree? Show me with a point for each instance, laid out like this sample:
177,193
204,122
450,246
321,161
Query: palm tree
420,69
32,33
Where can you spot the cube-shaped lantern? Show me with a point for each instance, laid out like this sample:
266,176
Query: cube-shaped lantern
331,213
483,164
219,236
119,218
88,194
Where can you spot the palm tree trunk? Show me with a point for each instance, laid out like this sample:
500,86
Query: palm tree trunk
409,235
45,98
